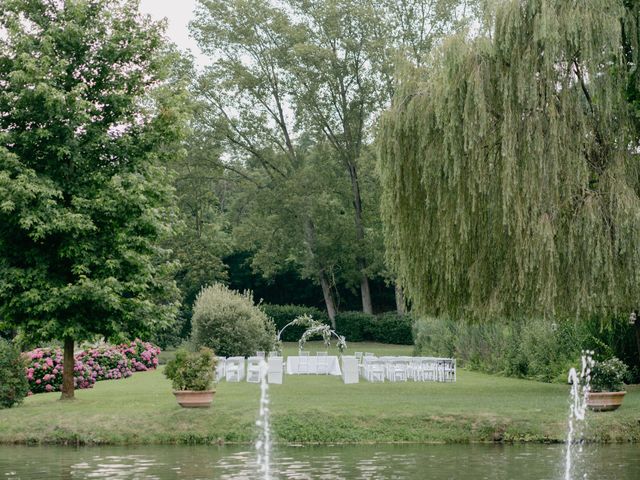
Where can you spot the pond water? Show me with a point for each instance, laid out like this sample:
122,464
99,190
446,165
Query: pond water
459,462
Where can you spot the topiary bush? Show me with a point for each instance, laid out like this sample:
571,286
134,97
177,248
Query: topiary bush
230,324
193,371
608,375
13,383
284,314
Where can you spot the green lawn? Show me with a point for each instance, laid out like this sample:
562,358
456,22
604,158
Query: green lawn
320,409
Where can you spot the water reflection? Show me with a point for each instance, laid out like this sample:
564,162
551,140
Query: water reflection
410,462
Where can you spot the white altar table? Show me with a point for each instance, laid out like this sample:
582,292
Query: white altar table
327,365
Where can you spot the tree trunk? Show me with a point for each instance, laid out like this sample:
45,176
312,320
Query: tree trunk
400,304
310,236
328,298
637,324
365,291
67,370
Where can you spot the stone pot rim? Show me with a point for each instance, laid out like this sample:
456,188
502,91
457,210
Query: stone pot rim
194,391
608,392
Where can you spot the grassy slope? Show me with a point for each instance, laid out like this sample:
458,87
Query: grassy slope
479,407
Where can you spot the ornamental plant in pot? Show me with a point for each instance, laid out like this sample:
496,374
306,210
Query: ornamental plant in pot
192,374
607,385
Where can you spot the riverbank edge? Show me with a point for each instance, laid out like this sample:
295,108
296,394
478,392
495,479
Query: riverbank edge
287,433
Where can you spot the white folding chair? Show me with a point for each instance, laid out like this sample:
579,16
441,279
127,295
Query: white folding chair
375,371
358,356
450,370
440,370
274,371
322,364
303,363
232,370
397,371
413,369
254,370
428,368
220,370
350,370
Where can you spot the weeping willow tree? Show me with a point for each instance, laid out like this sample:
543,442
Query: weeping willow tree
510,169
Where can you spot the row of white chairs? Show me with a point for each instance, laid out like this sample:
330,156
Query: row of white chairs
236,369
402,369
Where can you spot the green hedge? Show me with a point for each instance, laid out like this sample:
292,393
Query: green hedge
392,328
355,326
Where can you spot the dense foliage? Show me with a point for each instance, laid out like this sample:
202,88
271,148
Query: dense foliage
106,362
510,169
192,370
290,104
539,349
84,119
13,384
230,324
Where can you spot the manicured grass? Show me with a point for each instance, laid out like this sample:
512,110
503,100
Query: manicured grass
316,409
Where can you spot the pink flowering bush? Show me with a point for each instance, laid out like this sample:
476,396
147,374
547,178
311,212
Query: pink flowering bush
44,369
106,363
143,355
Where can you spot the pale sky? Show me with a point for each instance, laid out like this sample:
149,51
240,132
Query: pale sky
179,13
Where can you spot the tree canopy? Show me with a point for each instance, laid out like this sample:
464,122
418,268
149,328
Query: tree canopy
510,170
296,88
83,202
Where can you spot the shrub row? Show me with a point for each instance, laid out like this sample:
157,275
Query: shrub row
45,365
538,349
355,326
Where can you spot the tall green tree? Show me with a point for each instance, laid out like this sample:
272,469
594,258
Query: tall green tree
83,204
249,92
510,169
314,198
319,70
202,238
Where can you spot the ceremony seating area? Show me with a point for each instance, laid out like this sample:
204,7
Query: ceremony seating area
351,368
404,368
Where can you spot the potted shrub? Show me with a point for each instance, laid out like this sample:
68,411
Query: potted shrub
607,385
192,377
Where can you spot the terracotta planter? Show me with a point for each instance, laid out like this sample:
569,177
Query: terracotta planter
604,401
194,399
